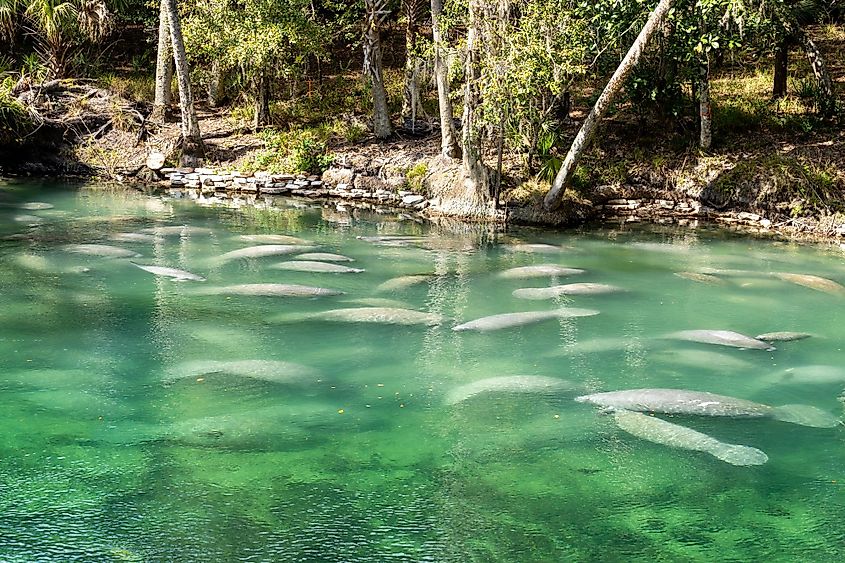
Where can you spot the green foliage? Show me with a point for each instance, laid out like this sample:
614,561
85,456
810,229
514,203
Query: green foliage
297,150
252,36
15,121
415,177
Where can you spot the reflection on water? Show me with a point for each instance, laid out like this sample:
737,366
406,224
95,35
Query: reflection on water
149,417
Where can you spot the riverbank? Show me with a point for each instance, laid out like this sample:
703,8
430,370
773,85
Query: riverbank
775,166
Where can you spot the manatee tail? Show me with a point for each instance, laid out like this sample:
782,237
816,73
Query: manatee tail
739,455
805,415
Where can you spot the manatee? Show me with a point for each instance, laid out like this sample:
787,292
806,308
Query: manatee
783,336
378,302
509,384
403,282
28,219
721,338
700,278
539,271
272,290
703,359
274,239
677,436
813,282
316,267
600,346
132,237
177,230
265,370
379,315
37,263
102,250
263,250
812,374
179,275
390,238
533,248
36,206
701,403
508,320
323,257
566,289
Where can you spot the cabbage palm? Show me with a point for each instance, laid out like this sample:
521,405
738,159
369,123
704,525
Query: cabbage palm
55,25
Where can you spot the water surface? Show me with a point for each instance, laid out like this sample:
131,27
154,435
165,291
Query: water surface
107,454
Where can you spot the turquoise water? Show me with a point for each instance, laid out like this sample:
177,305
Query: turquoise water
115,446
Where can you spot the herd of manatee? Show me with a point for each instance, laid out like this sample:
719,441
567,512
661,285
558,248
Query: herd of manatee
634,411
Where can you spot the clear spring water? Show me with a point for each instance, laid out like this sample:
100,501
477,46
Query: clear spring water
104,456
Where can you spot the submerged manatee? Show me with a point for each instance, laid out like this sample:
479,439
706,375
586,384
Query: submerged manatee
404,282
682,401
721,338
315,267
272,290
177,230
179,275
37,263
538,271
323,257
509,384
274,239
132,237
102,250
263,250
813,374
379,315
700,278
783,336
677,436
539,248
813,282
508,320
566,289
265,370
36,206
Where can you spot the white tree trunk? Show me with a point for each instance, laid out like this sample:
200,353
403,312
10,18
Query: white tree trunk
164,68
820,71
585,135
449,146
705,107
476,175
192,148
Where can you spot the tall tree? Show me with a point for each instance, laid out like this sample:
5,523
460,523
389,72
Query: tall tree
164,68
610,92
192,147
378,11
449,146
413,12
477,175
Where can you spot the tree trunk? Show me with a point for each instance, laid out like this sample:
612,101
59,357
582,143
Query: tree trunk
262,101
411,101
215,85
781,70
819,66
164,69
705,108
582,140
192,147
449,146
382,128
477,177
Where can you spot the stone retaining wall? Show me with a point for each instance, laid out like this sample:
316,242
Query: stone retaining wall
352,187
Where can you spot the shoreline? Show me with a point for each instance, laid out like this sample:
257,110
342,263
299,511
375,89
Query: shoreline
211,186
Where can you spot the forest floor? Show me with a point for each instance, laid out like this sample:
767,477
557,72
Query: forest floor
775,159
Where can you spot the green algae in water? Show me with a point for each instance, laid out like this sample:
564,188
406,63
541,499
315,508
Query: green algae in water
105,458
